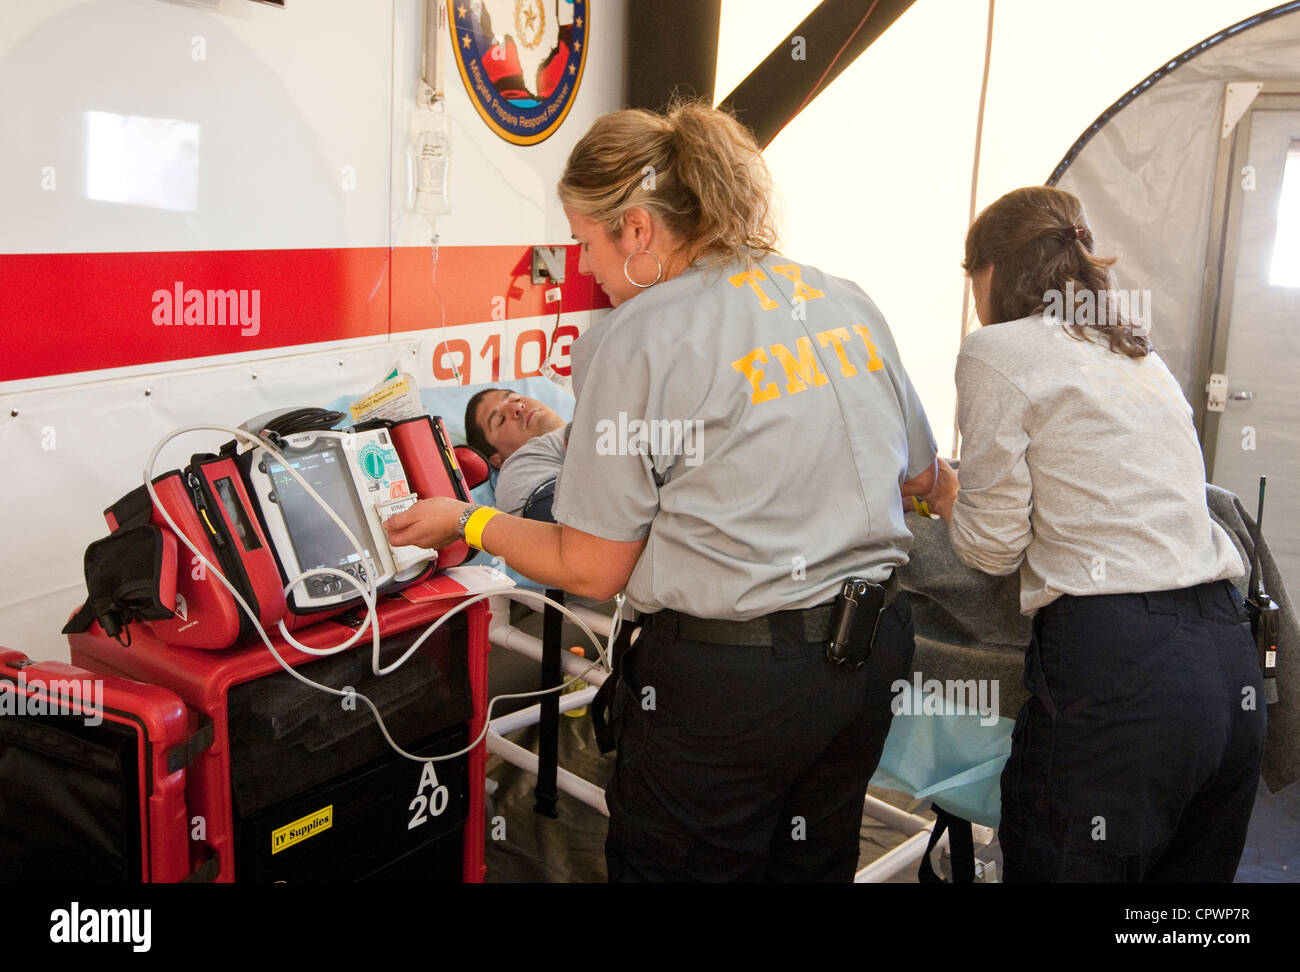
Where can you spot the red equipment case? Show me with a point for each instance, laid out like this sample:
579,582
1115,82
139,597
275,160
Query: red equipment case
217,783
432,469
91,789
206,615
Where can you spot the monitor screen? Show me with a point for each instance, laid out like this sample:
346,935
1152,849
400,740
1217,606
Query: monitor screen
317,541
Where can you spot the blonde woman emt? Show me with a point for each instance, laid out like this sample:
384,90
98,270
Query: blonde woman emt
776,431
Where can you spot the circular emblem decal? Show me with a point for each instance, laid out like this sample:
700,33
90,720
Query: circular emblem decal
372,462
521,61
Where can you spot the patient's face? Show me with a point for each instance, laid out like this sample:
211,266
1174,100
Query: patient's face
509,419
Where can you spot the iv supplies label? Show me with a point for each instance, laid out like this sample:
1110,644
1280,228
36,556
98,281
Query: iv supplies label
302,828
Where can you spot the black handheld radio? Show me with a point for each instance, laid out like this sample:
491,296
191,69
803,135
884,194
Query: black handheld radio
1263,610
855,621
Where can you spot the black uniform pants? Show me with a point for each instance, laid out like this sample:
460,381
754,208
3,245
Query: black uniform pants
748,763
1138,753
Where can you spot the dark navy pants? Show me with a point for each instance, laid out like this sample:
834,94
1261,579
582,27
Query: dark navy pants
1137,756
747,763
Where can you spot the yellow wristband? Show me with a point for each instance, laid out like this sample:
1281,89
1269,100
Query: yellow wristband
475,524
921,507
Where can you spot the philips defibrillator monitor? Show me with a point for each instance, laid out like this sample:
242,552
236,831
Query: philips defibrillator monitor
361,477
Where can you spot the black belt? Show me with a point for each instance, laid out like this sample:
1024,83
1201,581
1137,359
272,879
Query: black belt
815,622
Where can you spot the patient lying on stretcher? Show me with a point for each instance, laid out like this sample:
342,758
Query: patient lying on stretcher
523,439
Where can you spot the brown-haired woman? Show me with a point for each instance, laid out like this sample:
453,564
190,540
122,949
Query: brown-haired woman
1137,755
742,433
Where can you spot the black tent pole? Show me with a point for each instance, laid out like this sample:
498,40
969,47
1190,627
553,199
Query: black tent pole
812,56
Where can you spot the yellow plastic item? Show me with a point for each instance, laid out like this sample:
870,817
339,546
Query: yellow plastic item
577,685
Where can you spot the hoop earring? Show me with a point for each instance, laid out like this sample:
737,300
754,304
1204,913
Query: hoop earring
658,273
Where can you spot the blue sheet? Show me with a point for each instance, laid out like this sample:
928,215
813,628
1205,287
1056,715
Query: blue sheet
952,759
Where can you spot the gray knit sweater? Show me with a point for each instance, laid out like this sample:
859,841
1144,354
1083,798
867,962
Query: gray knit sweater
1081,467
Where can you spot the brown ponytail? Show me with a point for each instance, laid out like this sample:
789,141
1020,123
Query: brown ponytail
1041,249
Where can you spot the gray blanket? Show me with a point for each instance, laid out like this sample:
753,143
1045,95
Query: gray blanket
969,625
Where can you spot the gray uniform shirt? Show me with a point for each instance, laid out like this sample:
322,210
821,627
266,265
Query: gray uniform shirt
535,462
1081,467
754,424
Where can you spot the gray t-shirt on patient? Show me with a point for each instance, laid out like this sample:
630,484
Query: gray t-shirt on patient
1081,467
536,462
753,424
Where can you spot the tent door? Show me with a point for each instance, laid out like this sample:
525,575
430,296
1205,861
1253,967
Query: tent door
1251,321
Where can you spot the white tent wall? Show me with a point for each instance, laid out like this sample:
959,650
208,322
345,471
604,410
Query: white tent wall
876,171
875,177
289,101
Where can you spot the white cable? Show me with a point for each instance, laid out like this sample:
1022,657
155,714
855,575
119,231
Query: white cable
515,595
368,596
367,593
614,628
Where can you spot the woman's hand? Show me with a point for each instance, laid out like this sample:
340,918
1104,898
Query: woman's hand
555,556
941,498
431,523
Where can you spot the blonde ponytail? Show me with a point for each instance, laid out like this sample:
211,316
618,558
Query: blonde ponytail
696,169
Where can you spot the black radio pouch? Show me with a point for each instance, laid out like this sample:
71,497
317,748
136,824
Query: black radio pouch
855,621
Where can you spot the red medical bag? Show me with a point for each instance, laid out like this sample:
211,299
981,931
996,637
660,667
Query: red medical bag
432,470
209,503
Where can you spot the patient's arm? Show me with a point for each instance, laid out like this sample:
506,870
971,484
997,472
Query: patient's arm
557,556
